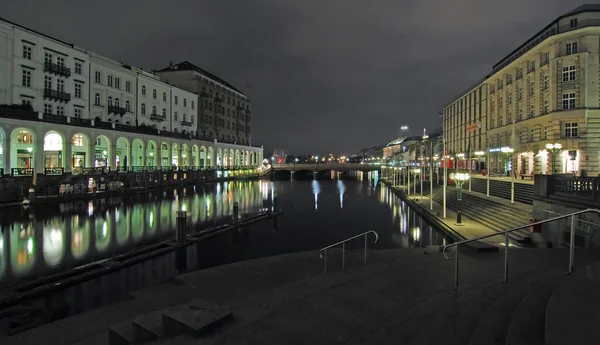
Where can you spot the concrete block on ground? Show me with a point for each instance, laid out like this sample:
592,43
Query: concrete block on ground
196,318
148,327
121,333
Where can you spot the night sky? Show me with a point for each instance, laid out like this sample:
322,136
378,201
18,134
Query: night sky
325,76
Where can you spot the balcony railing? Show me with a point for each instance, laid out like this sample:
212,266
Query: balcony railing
113,109
54,118
586,188
57,95
80,122
53,171
57,69
186,123
21,172
157,117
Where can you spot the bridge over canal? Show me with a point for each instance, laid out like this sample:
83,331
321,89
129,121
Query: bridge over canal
324,167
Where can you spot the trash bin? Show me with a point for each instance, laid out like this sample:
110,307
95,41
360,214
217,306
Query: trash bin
537,228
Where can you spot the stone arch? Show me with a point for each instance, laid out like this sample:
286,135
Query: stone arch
219,161
185,155
175,151
165,154
225,162
137,153
237,158
22,148
123,155
80,152
247,158
210,155
54,151
151,153
103,151
195,156
3,151
231,155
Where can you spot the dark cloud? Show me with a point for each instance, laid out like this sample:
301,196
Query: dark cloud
326,76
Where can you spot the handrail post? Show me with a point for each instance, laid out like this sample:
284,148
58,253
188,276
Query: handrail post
572,245
325,270
365,249
506,244
456,267
343,254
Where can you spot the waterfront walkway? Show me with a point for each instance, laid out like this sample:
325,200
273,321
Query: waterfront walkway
403,296
481,215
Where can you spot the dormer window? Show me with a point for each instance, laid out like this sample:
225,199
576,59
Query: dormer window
573,23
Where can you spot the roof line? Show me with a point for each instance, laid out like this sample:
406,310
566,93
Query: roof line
580,9
38,33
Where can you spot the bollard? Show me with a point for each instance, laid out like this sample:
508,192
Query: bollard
236,213
181,231
275,209
31,194
180,236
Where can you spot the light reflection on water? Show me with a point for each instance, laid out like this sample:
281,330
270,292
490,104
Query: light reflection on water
74,234
63,239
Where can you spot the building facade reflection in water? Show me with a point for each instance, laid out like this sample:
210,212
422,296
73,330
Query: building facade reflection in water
78,233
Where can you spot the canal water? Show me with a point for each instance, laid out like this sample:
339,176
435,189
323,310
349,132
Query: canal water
40,240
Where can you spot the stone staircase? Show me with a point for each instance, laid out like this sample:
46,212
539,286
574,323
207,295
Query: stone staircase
496,216
401,296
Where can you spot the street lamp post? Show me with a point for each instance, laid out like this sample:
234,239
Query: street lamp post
479,154
415,172
444,159
554,148
509,151
459,179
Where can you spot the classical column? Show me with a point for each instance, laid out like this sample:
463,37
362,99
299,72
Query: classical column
6,152
67,156
38,157
90,157
144,162
112,157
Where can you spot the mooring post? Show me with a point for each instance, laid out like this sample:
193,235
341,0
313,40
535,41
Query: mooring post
235,213
275,209
180,236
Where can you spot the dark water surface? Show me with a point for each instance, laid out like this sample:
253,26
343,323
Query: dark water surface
40,240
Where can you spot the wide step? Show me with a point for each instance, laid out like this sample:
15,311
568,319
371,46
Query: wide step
193,318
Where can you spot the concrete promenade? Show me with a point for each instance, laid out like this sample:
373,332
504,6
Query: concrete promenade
469,228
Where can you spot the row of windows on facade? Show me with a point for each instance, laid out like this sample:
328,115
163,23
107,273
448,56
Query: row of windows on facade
117,84
569,130
569,102
49,58
570,49
27,76
218,95
569,74
49,108
226,124
219,109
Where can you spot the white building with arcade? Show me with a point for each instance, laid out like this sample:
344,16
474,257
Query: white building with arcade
63,109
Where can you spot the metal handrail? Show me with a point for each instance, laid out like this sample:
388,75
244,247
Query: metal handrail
506,232
343,243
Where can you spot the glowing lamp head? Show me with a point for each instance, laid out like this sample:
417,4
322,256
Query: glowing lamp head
460,176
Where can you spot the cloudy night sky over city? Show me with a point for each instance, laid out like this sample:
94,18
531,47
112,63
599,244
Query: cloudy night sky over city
323,76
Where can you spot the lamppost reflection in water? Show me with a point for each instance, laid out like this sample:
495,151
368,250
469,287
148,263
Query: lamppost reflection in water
341,189
316,190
